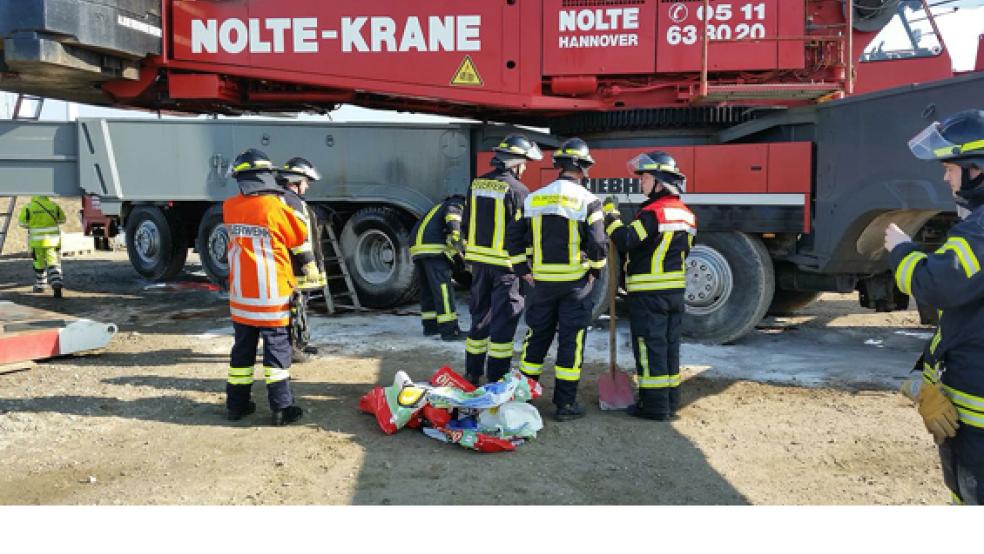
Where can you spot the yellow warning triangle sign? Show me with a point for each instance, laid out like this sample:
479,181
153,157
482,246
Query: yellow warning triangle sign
467,75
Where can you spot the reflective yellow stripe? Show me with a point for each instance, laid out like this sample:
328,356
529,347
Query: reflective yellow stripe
306,247
579,350
972,145
659,256
452,217
537,225
427,316
531,369
486,259
937,337
240,376
276,374
903,274
567,373
448,314
501,350
474,346
955,499
599,264
613,225
573,242
640,229
965,254
643,357
499,231
518,259
427,249
424,223
657,382
595,217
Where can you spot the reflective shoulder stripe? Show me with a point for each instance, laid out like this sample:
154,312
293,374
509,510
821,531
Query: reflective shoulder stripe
678,215
965,254
669,227
640,229
903,273
613,226
595,217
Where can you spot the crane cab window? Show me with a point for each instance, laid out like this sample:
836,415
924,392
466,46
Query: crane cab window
909,34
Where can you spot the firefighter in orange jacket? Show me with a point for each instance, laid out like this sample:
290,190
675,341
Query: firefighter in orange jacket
262,231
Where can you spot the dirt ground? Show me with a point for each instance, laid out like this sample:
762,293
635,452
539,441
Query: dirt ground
803,411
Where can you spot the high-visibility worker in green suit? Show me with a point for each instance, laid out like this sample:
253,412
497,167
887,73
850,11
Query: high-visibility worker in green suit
41,217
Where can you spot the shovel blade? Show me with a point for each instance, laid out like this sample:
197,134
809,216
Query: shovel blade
615,390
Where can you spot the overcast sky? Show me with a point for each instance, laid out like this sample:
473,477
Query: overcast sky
960,31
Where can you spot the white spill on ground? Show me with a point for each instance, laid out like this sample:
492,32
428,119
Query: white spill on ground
801,355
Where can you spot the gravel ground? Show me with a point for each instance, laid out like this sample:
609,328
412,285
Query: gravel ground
803,411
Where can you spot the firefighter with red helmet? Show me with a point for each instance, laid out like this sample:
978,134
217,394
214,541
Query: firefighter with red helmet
558,245
262,229
950,393
492,202
656,245
296,176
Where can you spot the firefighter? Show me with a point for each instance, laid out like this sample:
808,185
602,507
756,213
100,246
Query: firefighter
493,200
558,246
437,242
656,245
950,393
41,217
262,229
296,177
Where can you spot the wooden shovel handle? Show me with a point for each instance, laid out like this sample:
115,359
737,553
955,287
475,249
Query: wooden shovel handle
612,289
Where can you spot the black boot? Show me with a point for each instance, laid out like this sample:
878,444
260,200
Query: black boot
237,414
454,335
567,412
637,410
431,328
58,291
290,414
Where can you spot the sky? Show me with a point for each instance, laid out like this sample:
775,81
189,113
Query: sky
960,30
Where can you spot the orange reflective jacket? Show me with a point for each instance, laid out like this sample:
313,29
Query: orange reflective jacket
262,230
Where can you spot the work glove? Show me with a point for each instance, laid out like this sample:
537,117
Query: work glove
938,413
895,236
610,206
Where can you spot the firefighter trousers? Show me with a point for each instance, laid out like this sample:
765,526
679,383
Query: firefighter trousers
562,309
47,266
496,304
276,366
437,309
656,320
962,458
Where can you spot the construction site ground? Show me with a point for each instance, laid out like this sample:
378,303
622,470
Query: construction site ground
802,411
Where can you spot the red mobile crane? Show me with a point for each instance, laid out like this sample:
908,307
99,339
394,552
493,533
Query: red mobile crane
785,115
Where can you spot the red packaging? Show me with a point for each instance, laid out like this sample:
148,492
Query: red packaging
446,377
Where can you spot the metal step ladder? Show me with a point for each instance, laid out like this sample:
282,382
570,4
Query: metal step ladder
339,291
34,114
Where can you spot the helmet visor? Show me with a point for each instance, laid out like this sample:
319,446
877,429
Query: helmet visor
929,144
534,153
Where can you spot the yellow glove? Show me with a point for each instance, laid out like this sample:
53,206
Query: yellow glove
939,415
610,207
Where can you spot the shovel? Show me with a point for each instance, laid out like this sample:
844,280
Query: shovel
614,386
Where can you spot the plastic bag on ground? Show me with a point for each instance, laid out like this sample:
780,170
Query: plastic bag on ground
470,439
395,406
512,419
